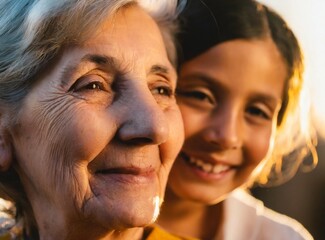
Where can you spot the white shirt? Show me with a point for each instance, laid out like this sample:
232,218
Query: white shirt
246,218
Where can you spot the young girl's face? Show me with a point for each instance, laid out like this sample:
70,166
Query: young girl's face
229,97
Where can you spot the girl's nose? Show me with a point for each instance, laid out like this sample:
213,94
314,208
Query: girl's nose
224,130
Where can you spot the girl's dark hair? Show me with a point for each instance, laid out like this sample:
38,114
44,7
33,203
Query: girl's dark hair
205,23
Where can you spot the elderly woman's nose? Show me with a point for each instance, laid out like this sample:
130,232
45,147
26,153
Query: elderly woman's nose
144,121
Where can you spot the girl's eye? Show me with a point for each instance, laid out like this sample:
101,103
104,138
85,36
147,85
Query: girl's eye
197,95
255,111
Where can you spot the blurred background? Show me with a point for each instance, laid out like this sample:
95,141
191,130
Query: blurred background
303,197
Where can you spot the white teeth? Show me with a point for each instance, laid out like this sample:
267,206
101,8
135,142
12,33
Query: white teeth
199,162
208,167
220,168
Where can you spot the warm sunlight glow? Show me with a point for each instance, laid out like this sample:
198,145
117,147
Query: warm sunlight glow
156,202
307,19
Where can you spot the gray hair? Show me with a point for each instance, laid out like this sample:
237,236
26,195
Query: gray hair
32,33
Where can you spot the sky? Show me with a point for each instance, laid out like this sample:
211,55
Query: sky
307,19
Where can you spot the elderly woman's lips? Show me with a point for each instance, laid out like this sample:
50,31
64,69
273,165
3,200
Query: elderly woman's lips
128,170
131,174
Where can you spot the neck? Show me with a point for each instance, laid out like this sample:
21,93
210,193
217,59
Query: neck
177,214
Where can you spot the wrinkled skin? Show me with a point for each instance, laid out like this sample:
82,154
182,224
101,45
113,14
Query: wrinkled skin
97,134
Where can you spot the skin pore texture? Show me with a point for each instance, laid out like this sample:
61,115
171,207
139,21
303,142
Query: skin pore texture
97,135
229,98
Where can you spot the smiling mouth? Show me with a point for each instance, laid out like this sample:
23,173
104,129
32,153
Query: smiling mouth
127,175
127,171
206,167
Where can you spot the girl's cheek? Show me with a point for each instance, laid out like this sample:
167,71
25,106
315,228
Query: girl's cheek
262,147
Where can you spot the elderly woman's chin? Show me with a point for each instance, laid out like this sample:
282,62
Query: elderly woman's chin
124,205
128,215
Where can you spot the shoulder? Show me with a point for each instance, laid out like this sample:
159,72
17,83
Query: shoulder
261,222
154,232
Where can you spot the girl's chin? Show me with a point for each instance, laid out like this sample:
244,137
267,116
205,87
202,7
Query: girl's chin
206,198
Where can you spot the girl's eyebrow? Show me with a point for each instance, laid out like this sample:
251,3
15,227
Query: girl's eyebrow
205,80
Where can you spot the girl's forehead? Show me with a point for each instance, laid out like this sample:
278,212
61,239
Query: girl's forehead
255,64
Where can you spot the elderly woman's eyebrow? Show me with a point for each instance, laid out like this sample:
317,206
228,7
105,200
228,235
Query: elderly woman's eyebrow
106,62
159,69
166,71
100,59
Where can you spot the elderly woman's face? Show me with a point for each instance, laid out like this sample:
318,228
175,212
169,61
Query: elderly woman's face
99,131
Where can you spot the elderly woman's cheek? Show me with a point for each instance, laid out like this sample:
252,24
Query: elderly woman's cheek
87,133
177,132
171,148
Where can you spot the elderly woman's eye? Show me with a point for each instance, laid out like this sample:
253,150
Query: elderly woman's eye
84,84
163,90
94,86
